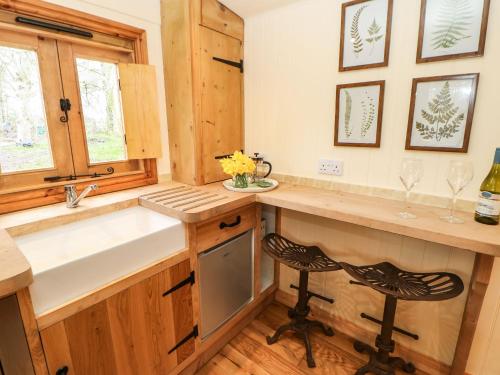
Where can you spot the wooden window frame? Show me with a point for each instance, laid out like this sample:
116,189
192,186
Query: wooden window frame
110,33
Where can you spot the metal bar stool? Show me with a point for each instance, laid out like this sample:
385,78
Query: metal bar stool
304,259
396,284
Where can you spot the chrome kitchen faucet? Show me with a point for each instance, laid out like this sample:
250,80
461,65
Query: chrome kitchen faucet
72,198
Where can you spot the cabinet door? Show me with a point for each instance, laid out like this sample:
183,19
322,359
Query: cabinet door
217,16
131,332
221,101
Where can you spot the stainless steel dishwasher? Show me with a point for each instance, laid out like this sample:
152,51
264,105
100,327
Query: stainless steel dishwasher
226,281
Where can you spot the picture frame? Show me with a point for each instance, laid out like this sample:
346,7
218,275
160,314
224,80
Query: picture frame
359,110
365,34
441,113
439,36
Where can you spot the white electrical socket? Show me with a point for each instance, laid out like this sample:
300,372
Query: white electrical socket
331,167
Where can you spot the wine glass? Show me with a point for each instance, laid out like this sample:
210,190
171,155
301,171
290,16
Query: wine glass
410,174
460,173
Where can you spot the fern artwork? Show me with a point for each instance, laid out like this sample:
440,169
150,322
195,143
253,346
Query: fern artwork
357,116
375,34
451,27
356,40
363,40
440,119
347,114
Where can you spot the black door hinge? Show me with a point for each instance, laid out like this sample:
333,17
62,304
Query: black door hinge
65,105
226,156
238,65
189,280
192,335
62,371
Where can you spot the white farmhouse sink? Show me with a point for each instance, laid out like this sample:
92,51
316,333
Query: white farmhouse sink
73,259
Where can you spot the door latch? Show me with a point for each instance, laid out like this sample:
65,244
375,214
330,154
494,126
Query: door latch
65,105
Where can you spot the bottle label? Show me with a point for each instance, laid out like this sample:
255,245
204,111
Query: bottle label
488,204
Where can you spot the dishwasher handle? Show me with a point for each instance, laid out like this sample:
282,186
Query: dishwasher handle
224,225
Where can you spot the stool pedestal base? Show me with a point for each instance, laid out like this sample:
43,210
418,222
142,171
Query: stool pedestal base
300,325
301,329
379,367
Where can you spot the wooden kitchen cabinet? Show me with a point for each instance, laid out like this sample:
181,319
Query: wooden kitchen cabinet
203,62
131,332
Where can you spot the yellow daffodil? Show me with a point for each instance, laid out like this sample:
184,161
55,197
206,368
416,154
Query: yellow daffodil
237,164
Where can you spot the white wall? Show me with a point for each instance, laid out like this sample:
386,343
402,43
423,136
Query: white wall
144,14
291,73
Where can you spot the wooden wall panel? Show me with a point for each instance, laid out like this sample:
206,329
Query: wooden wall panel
437,323
176,42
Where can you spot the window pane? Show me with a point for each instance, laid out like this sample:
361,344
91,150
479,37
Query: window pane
24,138
102,111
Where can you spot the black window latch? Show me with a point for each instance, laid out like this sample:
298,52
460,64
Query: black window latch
65,105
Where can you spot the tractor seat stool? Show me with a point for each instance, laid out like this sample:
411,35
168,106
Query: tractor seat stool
304,259
397,284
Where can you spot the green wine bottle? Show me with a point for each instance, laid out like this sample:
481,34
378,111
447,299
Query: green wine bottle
488,206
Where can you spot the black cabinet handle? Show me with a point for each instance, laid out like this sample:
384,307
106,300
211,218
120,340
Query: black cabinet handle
225,225
63,371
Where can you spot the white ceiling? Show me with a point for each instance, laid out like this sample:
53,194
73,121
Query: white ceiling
248,8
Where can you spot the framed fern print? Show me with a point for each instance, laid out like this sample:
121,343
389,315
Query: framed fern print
441,113
451,29
365,34
358,114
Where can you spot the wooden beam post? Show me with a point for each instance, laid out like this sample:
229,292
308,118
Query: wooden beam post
480,279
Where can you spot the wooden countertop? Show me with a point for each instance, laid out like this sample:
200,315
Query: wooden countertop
15,271
193,204
381,214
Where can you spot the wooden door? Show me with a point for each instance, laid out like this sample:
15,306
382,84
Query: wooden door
217,16
130,333
221,101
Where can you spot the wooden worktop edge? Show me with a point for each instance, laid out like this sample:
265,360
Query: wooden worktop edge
15,271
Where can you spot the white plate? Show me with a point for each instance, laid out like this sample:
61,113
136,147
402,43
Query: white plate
252,188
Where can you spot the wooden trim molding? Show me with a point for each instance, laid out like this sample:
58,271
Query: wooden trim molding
31,331
58,13
135,37
480,279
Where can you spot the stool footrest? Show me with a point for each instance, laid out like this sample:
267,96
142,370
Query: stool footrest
312,294
396,329
356,283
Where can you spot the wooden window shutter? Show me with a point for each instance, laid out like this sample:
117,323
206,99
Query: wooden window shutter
140,111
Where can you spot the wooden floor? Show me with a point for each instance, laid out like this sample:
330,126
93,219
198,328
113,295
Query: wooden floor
248,353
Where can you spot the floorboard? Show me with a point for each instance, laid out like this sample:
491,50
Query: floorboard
249,354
